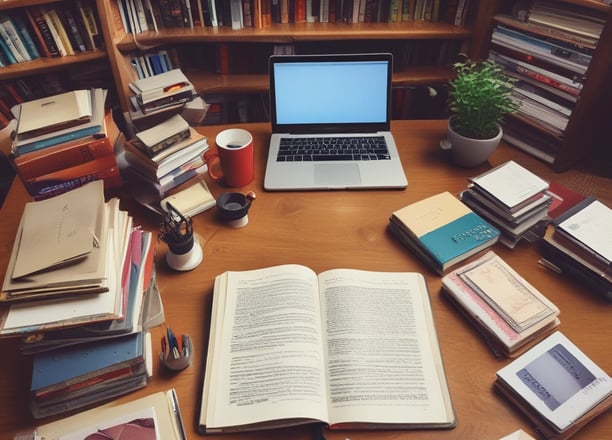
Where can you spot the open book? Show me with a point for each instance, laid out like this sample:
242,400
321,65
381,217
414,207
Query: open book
350,348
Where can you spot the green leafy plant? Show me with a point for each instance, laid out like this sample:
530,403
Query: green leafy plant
479,97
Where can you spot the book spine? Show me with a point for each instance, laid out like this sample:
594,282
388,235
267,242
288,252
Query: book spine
12,41
34,165
39,145
24,33
152,150
41,29
72,31
55,33
178,98
56,183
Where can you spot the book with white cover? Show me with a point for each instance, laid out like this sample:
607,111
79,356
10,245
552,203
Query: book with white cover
55,112
558,385
161,85
511,184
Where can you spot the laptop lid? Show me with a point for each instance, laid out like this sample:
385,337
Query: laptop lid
340,93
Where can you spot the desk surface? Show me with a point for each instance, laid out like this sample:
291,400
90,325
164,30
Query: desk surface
326,230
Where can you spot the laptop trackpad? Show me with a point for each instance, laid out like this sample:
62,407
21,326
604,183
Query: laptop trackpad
337,175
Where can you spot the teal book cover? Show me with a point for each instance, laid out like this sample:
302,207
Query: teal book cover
458,237
444,228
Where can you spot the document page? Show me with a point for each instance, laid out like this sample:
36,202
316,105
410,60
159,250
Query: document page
267,356
383,356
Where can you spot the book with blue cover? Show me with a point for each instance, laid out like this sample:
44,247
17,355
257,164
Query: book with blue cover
59,368
442,231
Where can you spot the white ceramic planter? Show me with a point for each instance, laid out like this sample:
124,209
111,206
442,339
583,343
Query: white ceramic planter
468,152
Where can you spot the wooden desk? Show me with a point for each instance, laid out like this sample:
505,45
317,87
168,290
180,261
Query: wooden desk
325,230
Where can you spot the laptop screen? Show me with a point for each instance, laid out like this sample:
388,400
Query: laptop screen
330,93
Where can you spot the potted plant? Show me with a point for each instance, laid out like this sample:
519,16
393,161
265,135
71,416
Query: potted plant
479,97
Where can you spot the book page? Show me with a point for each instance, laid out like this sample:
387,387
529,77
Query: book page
267,362
384,365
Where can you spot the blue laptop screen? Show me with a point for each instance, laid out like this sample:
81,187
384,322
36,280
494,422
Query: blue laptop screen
330,92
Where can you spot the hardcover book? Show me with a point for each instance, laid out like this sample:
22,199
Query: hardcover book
506,309
277,333
556,385
442,231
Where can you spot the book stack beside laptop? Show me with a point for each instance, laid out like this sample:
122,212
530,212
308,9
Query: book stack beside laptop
513,199
442,231
64,141
577,243
508,311
161,158
80,277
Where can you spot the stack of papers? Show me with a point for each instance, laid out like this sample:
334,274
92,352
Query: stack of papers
70,265
513,199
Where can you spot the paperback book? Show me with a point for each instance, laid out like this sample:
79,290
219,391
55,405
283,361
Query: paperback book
557,386
442,231
508,311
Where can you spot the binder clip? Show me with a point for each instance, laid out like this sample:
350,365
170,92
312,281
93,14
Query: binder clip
174,356
184,252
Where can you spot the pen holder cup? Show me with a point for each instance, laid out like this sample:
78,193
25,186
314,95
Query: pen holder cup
184,255
184,251
234,207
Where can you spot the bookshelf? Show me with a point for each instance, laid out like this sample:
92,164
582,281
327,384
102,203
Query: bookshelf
588,121
199,49
45,74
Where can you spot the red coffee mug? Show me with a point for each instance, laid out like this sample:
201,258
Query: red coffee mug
232,159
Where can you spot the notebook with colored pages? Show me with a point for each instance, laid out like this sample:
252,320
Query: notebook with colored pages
322,106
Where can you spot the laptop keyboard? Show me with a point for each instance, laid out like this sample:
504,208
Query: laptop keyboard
313,149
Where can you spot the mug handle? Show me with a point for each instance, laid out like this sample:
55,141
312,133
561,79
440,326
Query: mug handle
214,164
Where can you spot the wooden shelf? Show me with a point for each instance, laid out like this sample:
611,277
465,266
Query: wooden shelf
297,32
43,64
248,83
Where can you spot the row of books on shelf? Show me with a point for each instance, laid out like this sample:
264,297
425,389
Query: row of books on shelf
139,16
153,63
57,29
547,47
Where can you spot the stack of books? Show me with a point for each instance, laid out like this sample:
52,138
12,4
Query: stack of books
442,231
64,141
548,47
577,243
165,91
509,312
557,386
80,278
513,199
163,157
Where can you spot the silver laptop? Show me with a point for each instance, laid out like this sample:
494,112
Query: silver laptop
330,119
